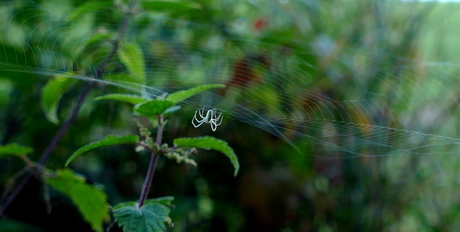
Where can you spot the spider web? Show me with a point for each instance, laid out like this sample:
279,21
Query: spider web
323,96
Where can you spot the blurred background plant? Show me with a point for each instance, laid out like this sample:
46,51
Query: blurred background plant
343,113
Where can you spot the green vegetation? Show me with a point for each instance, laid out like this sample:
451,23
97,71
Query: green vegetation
116,115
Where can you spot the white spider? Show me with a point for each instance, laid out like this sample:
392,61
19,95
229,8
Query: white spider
211,117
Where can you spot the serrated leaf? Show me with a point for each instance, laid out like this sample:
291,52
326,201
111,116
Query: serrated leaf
90,201
131,56
87,7
107,141
152,216
14,150
128,98
153,108
163,6
210,143
181,95
51,95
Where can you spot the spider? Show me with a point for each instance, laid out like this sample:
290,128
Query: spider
211,117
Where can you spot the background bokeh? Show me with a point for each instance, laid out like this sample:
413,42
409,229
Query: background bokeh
390,66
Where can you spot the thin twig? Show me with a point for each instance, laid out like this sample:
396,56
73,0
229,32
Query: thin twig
12,181
66,125
152,164
46,195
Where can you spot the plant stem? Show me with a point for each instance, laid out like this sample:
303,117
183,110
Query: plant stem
81,99
152,164
66,125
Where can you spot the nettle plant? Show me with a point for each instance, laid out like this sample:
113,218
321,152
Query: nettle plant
144,214
91,200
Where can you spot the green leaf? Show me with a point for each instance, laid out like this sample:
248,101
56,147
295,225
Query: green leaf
107,141
100,36
169,6
152,216
153,108
51,95
90,200
133,99
14,150
11,225
124,82
172,109
87,7
210,143
131,56
181,95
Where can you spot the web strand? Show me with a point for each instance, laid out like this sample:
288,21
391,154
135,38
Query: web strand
360,102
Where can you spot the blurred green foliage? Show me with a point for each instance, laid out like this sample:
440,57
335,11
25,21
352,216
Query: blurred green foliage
203,42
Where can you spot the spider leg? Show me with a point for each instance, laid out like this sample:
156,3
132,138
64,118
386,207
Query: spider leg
219,119
216,120
201,112
217,116
211,116
197,125
199,122
213,126
194,119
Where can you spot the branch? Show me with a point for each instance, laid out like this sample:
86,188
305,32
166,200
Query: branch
81,99
152,164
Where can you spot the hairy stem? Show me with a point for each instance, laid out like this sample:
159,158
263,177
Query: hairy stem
81,99
152,164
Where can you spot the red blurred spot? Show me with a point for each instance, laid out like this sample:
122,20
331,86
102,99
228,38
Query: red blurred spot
260,24
243,71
